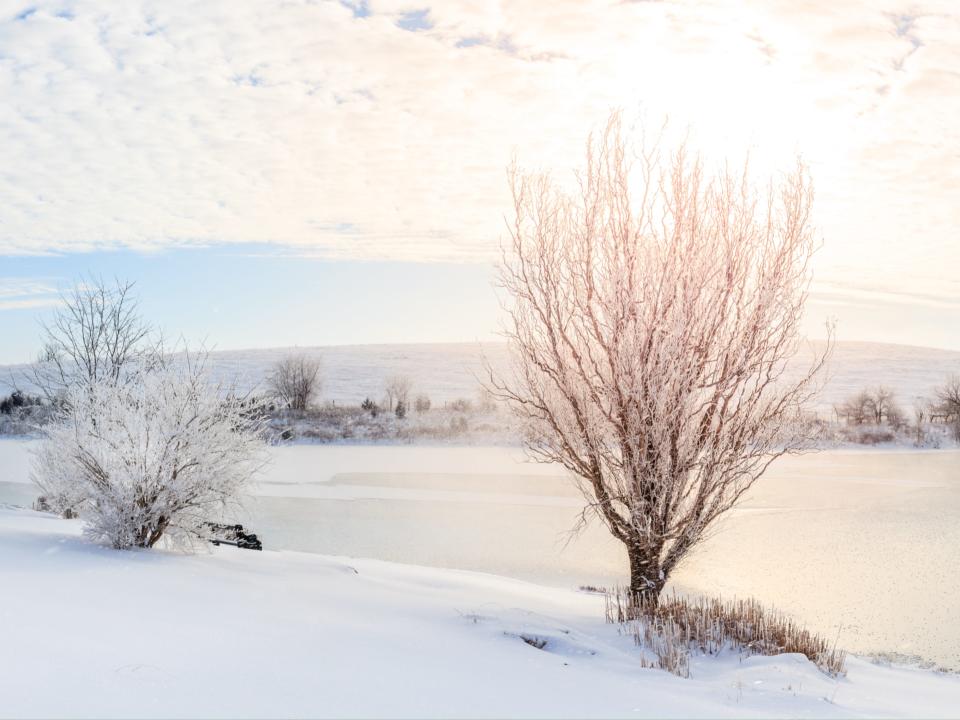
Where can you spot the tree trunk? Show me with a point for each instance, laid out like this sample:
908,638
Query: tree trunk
157,532
646,576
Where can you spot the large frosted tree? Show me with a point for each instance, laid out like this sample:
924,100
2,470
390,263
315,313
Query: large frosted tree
651,315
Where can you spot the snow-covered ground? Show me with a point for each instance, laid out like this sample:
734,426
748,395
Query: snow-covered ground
88,631
449,374
841,526
450,371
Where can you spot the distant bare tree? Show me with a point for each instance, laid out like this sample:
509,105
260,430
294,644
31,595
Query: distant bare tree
397,389
858,409
895,416
295,380
421,404
461,405
948,403
884,407
876,406
95,334
948,396
650,328
920,412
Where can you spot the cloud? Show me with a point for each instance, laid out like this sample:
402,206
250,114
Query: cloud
27,293
381,129
854,293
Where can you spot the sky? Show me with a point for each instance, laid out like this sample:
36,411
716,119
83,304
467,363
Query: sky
241,297
302,172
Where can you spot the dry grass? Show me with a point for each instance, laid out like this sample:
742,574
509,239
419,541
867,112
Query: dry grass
677,626
340,422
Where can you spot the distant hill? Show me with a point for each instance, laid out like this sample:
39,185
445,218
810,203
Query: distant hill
447,371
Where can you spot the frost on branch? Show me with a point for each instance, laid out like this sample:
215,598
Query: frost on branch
149,454
651,317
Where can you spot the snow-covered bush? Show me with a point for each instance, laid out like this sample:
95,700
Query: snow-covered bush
152,454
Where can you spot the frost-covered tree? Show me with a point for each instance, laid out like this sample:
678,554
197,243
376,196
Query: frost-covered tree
95,333
885,408
948,403
651,315
397,389
920,414
858,409
295,381
149,454
875,406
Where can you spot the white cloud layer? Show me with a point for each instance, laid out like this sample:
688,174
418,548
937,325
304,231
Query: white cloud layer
26,293
382,129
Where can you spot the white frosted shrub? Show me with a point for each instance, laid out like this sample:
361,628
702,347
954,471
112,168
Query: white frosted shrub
156,454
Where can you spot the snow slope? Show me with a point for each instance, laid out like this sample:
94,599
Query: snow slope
449,371
88,631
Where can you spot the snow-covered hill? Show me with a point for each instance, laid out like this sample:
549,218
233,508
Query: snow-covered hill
449,371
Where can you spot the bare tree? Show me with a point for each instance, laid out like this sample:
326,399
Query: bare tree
95,334
920,414
948,397
859,409
295,380
878,406
948,403
869,411
397,389
422,404
650,328
884,407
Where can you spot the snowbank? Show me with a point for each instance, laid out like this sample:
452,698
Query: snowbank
88,631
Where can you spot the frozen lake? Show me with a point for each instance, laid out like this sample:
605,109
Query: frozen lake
864,545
